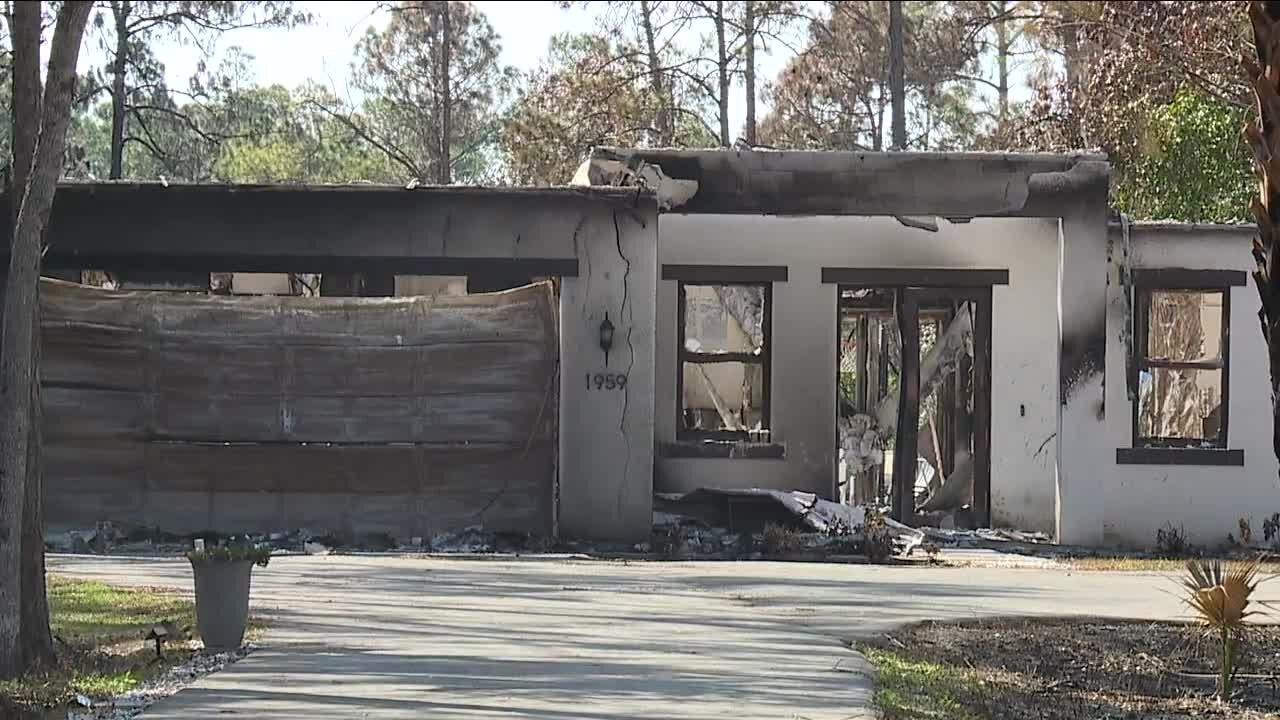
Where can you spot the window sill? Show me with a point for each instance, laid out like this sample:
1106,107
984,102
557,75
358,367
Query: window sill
734,450
1179,456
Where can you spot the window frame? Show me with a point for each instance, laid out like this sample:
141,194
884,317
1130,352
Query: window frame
764,360
1147,283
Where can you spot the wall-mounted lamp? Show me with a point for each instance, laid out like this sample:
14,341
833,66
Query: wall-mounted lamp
606,337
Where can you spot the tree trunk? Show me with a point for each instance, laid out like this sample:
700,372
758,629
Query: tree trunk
35,638
877,136
21,310
662,119
120,11
897,81
928,119
722,70
1003,45
749,70
1263,136
1070,54
445,174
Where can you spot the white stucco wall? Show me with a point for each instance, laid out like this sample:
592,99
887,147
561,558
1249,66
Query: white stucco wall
1025,378
606,436
1206,501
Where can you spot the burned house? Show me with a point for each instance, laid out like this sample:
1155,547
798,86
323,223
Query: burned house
968,339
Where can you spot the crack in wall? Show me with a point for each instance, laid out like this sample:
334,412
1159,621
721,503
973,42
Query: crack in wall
1043,444
631,361
586,286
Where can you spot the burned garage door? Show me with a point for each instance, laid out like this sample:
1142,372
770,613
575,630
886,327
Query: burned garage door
406,416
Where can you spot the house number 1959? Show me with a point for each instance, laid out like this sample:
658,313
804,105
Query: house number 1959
606,381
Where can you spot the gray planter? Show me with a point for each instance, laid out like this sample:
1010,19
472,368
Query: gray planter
222,601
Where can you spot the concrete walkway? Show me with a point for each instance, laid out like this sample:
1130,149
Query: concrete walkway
391,637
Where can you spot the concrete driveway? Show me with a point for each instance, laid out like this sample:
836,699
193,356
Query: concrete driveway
384,637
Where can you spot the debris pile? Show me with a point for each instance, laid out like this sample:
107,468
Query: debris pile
706,524
712,523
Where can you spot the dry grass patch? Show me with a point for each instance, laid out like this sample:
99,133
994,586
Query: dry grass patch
1024,669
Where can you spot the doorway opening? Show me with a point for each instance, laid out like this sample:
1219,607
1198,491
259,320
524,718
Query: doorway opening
914,402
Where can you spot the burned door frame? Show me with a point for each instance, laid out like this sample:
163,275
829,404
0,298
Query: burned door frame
916,289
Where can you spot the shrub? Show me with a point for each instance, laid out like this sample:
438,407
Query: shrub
1271,529
1172,541
258,554
1219,596
877,541
779,540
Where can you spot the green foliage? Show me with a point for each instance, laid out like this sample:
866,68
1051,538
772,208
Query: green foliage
414,110
1193,166
257,134
576,100
584,96
233,552
848,387
834,95
299,142
170,138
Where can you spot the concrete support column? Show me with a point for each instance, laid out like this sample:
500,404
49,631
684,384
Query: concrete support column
606,399
1082,438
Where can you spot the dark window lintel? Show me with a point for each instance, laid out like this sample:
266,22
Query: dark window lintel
916,277
725,274
1179,456
1188,279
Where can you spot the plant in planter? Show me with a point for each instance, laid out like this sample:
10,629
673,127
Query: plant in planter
222,575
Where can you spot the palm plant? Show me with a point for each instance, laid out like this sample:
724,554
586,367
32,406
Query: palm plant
1219,594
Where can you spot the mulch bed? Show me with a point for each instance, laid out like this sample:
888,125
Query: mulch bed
1096,669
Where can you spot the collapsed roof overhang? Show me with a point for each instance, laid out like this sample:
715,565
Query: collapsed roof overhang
957,186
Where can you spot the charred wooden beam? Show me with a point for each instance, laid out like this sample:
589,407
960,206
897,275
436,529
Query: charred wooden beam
904,456
221,228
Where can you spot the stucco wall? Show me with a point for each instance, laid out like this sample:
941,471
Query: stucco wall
1205,501
606,436
1025,374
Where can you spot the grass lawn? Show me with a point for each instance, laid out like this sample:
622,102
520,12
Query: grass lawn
99,633
909,688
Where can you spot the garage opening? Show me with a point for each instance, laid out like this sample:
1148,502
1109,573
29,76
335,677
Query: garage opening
400,416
